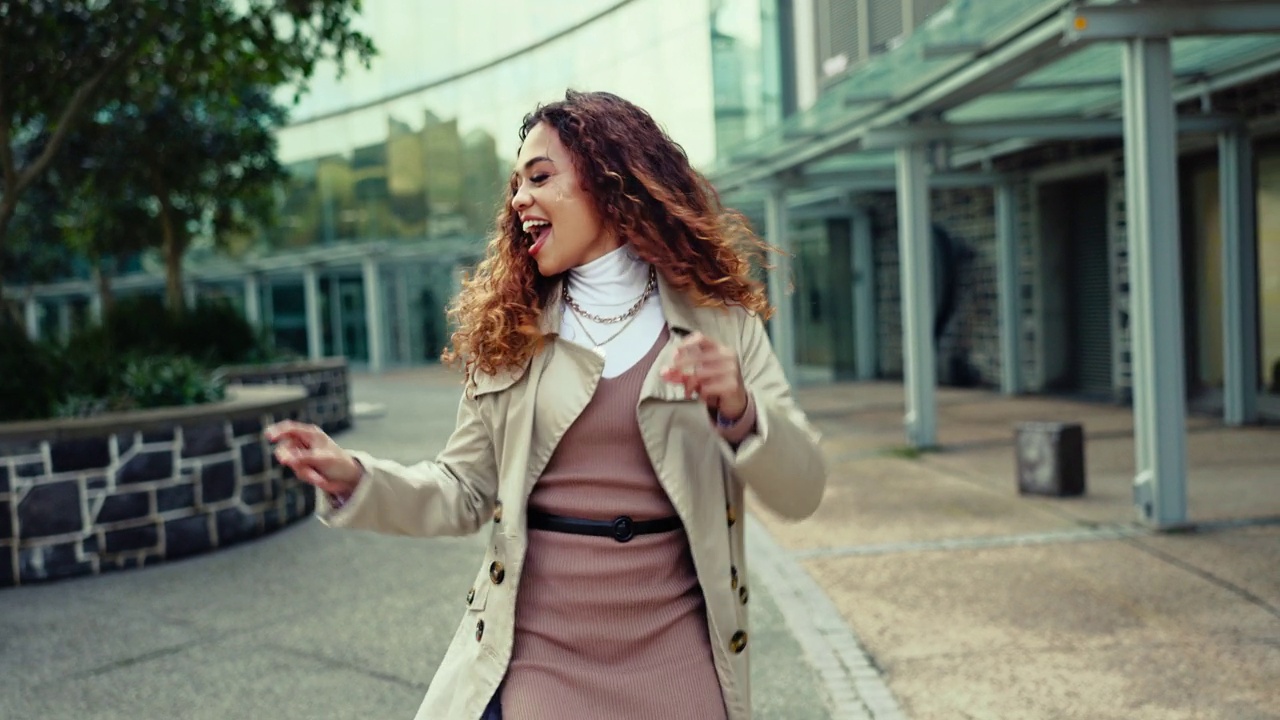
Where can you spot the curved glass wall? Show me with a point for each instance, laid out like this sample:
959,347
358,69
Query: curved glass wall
433,162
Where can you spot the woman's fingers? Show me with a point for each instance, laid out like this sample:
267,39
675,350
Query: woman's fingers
320,466
301,434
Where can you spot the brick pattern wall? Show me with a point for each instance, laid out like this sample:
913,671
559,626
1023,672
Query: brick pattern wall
968,217
130,498
1122,335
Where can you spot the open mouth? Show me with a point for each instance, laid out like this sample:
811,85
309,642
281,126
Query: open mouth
538,231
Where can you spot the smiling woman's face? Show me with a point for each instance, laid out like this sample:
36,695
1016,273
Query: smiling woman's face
562,229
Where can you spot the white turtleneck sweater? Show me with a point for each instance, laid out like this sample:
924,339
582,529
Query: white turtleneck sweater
608,286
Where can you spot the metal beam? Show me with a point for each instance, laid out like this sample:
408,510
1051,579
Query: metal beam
1024,47
1092,23
916,293
782,324
1237,200
935,51
1159,382
1009,288
1037,129
844,183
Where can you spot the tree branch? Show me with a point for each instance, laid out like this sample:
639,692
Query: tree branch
7,170
74,110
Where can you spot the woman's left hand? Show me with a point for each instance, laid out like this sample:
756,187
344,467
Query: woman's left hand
710,371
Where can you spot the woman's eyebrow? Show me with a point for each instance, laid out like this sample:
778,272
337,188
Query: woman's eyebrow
534,161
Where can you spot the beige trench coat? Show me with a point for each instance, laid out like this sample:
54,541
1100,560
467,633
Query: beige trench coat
483,477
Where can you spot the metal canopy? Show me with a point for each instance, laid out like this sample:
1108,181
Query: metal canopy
1061,71
1035,66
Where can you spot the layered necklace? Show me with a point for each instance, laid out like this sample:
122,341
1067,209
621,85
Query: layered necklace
625,319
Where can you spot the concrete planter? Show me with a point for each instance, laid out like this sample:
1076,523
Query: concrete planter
326,381
83,496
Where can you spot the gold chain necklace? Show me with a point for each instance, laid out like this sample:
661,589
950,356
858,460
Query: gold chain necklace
630,313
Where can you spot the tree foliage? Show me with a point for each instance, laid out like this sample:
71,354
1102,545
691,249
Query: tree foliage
69,64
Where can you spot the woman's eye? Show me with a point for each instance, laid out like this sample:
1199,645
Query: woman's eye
539,179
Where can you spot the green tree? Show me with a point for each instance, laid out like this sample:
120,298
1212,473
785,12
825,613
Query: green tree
207,165
64,61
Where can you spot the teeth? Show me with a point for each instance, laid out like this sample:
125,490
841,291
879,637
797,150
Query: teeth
530,224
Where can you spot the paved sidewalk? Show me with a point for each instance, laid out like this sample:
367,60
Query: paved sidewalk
923,587
978,603
308,623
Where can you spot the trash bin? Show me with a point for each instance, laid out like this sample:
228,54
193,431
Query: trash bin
1049,458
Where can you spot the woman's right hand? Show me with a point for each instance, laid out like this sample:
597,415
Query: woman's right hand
314,457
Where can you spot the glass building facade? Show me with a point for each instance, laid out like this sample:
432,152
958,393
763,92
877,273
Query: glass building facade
416,149
398,170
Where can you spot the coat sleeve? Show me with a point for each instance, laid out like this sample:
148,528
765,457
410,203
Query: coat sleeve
782,460
451,495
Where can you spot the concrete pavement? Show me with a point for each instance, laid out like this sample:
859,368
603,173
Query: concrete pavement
924,587
978,603
307,623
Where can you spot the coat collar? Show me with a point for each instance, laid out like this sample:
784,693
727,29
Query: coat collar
676,309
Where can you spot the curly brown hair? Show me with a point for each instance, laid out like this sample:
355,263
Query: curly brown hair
645,191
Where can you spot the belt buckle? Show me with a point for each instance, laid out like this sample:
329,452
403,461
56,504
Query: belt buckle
623,528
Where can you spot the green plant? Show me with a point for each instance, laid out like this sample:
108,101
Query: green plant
162,381
28,374
905,452
215,333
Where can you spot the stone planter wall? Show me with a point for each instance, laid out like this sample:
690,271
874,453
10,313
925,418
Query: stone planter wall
129,489
326,382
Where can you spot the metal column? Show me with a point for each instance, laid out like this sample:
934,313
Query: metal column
311,300
1237,199
864,297
252,300
1009,288
403,334
1159,392
337,315
782,324
95,296
373,314
31,314
916,262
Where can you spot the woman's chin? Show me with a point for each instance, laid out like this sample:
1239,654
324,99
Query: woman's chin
547,265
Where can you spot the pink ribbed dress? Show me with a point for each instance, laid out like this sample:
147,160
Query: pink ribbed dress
609,629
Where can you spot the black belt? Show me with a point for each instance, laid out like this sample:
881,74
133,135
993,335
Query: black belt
621,528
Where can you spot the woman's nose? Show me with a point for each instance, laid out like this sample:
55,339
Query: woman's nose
521,200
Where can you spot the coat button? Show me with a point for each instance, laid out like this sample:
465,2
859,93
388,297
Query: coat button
497,513
480,631
733,577
738,642
497,572
731,515
471,595
742,594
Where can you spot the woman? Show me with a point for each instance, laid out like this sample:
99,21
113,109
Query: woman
620,395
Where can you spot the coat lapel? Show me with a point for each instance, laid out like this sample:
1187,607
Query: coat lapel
679,316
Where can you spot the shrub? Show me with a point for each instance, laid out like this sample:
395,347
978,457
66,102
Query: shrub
142,356
28,374
162,381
